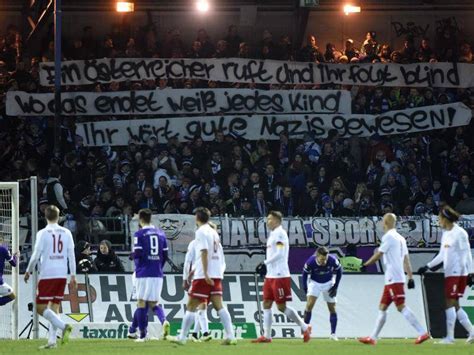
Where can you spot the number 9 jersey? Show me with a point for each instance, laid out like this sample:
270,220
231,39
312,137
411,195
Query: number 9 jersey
151,251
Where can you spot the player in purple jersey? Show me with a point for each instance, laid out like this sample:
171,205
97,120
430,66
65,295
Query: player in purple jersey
320,268
6,292
150,252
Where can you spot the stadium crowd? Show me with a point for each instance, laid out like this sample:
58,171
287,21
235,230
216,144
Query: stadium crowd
409,175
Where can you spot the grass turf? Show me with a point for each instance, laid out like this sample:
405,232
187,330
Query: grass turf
283,347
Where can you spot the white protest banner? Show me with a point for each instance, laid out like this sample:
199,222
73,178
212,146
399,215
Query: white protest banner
118,133
181,101
113,307
238,70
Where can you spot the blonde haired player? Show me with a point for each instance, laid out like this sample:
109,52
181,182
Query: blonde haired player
395,258
455,255
54,251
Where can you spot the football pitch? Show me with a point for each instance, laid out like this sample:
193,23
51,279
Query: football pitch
244,347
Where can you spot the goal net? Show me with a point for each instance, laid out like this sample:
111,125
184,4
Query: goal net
9,236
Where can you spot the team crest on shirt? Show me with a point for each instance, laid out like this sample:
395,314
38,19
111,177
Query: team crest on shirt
171,227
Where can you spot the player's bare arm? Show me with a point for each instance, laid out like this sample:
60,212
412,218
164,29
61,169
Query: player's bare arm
407,266
374,258
204,253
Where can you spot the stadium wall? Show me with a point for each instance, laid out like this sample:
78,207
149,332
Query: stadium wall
358,299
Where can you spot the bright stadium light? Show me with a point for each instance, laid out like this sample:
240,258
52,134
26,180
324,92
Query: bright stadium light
351,9
202,5
125,6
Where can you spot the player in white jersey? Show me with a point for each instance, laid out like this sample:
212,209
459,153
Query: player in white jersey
201,323
455,256
396,260
54,253
207,282
277,285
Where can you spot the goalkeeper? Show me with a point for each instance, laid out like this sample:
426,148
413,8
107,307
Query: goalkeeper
6,292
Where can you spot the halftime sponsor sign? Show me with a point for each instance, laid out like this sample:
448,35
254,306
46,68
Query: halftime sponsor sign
113,308
180,101
239,70
119,133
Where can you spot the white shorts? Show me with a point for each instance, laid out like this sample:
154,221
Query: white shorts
149,288
133,296
315,289
5,290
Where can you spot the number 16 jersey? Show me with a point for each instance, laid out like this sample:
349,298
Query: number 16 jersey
54,250
151,250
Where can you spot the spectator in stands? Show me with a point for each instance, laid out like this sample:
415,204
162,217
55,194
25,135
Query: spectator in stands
370,45
284,49
464,189
409,51
244,51
285,202
221,50
261,206
310,52
425,52
106,259
233,41
350,51
54,191
207,48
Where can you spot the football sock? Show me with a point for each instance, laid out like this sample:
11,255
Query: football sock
226,322
333,321
291,313
160,313
52,334
197,324
450,322
411,318
142,317
464,320
203,322
379,323
54,319
267,323
188,321
307,316
133,328
4,300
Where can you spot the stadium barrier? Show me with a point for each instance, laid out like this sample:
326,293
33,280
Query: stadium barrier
358,300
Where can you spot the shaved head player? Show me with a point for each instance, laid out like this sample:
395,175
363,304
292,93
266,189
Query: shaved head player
396,261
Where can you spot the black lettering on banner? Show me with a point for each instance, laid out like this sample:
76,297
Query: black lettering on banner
32,106
260,71
331,74
425,74
293,75
410,29
252,71
172,311
370,74
113,314
98,136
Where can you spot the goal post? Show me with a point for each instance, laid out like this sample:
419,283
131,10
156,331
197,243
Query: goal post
9,230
